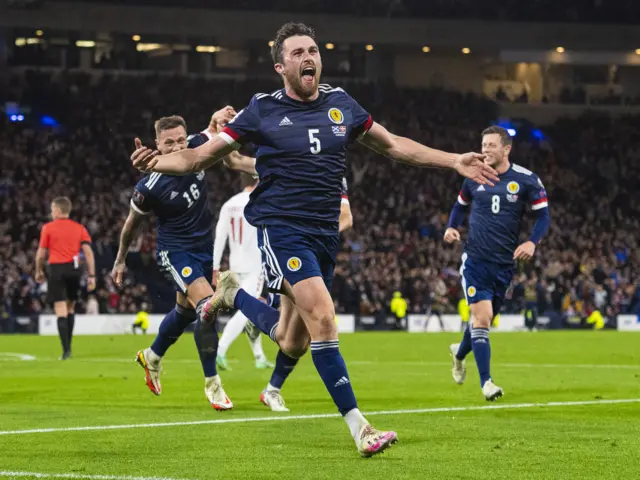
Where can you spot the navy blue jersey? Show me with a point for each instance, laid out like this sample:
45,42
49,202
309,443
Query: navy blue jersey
300,156
184,221
497,212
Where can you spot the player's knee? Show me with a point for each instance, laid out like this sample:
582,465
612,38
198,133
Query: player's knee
324,326
294,348
482,320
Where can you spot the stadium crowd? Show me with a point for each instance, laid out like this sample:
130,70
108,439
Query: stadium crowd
588,165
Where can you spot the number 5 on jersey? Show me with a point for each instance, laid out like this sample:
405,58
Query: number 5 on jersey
195,193
315,142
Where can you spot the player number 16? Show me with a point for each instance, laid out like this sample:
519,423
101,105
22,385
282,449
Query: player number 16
315,142
195,193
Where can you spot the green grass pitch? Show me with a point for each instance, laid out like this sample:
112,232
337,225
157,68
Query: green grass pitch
390,372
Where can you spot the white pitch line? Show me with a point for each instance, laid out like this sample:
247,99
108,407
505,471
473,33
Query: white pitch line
5,473
507,365
361,362
16,356
503,406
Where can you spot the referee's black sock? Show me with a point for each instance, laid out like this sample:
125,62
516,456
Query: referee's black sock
63,331
71,319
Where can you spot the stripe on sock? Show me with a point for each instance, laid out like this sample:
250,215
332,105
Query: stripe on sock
480,333
316,346
272,333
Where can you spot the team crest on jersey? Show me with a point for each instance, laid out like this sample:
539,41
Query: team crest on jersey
513,187
186,272
339,131
335,115
294,264
471,291
200,175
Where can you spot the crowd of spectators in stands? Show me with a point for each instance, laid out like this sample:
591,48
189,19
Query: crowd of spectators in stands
589,166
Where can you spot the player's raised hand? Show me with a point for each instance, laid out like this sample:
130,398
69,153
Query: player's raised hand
117,273
143,158
220,118
471,165
451,235
525,251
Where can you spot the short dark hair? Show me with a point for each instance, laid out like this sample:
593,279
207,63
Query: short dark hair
63,204
167,123
247,180
289,29
504,135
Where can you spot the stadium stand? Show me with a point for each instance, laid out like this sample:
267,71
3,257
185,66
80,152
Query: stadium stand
396,242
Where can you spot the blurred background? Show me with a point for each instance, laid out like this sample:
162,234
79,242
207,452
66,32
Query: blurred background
80,79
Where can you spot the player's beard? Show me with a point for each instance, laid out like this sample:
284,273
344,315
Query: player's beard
304,89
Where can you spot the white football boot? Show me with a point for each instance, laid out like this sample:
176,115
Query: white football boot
226,291
273,399
370,441
491,391
151,371
459,369
216,394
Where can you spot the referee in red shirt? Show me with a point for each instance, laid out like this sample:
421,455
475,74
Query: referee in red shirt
63,239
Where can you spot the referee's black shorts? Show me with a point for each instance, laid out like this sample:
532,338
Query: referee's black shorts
64,282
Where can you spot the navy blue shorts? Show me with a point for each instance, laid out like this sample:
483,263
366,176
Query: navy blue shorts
485,281
182,268
295,255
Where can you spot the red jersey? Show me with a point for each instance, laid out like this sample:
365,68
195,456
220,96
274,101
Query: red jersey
63,238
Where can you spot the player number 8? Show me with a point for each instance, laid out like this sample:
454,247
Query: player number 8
315,142
495,204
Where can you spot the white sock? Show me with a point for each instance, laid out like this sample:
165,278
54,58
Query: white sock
355,420
271,388
256,347
152,356
209,380
232,330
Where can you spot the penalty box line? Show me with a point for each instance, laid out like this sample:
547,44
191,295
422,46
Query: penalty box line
501,406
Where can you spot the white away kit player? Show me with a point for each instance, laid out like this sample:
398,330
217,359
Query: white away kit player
245,259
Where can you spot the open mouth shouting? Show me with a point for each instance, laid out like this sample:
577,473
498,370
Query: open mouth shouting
308,74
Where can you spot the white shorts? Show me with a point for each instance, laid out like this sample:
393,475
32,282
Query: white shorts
252,282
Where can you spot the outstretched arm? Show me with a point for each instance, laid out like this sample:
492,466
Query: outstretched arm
183,162
407,151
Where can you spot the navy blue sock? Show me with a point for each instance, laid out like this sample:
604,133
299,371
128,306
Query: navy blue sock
172,326
482,352
284,366
206,337
465,344
333,371
261,315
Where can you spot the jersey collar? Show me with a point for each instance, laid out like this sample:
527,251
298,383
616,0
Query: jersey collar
313,103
